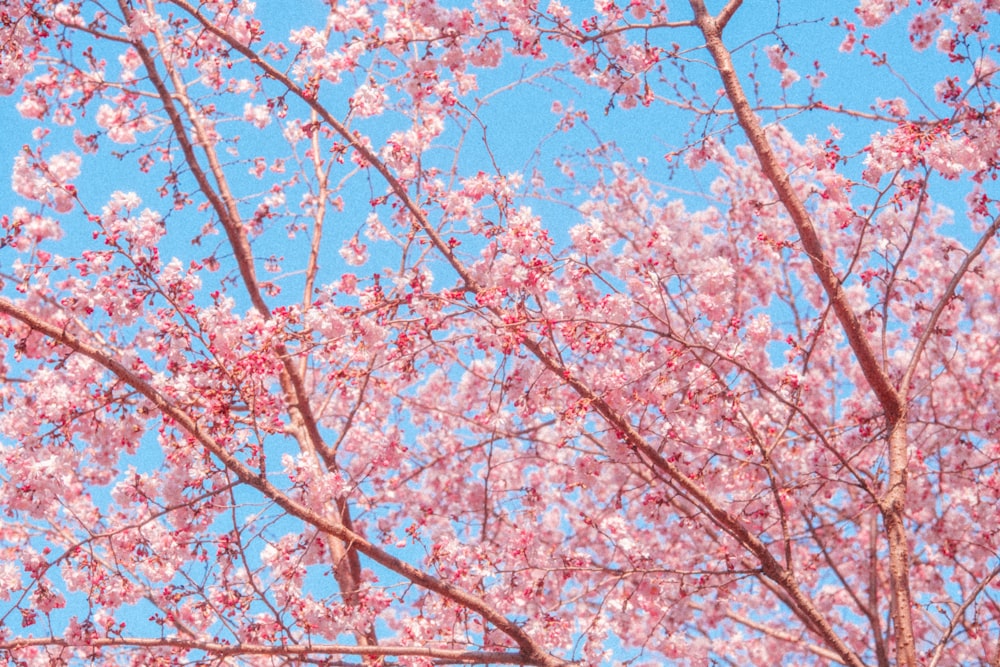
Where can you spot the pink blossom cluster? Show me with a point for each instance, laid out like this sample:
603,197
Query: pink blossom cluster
48,181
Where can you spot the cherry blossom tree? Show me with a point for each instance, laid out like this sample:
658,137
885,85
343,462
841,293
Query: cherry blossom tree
500,332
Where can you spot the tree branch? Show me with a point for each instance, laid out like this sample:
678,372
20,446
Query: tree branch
441,656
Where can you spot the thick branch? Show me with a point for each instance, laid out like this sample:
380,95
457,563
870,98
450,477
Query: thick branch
879,381
440,656
347,566
892,402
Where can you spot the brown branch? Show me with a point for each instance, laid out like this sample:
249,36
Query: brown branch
347,566
440,655
727,13
879,381
892,403
319,217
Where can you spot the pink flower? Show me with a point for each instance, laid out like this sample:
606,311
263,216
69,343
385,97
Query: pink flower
368,100
258,114
10,580
354,252
776,57
32,106
64,167
141,23
127,200
896,107
788,77
875,12
116,121
983,71
47,182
